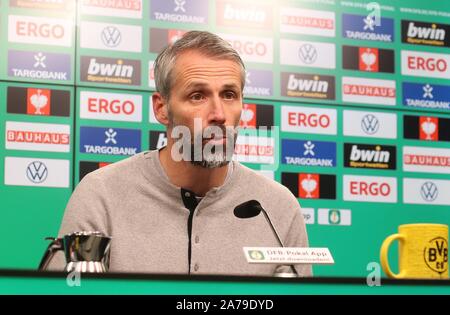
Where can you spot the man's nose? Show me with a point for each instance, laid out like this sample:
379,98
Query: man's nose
217,113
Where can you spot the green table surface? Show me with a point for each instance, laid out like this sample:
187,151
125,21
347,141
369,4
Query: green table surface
34,282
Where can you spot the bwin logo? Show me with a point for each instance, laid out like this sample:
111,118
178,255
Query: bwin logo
429,191
370,124
111,36
307,53
37,172
110,136
309,147
432,32
179,5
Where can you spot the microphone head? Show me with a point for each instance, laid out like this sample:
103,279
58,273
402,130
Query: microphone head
248,209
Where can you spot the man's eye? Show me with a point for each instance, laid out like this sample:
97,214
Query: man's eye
196,97
229,95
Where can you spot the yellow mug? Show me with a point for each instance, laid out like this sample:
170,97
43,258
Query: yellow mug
423,251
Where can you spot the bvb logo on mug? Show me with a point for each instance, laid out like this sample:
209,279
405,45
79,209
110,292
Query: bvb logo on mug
423,251
436,255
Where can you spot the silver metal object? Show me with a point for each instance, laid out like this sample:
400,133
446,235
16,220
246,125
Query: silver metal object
84,251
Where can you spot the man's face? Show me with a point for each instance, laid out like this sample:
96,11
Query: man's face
208,90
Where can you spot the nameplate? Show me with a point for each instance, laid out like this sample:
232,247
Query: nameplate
288,255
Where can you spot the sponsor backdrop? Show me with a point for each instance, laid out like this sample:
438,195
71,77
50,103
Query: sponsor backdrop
359,97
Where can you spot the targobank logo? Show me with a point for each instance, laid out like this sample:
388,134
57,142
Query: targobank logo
425,95
180,11
110,141
310,153
364,28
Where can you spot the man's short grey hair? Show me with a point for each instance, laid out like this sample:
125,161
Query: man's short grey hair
206,43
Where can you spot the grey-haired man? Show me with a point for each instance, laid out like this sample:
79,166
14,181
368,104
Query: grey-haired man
170,210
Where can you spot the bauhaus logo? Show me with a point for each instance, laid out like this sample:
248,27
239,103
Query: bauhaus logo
251,48
37,172
362,27
308,153
39,65
110,106
370,188
258,82
426,95
425,64
256,116
370,124
368,59
110,70
37,137
308,86
307,54
358,155
45,31
180,11
67,5
123,9
241,14
308,120
426,191
38,101
310,186
117,37
110,141
426,160
254,149
424,33
426,128
309,22
368,91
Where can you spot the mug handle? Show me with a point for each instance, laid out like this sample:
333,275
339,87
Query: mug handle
384,256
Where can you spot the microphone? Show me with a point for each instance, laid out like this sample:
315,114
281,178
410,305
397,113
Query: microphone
252,208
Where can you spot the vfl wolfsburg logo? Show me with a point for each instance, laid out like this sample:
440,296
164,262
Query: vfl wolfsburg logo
429,191
256,254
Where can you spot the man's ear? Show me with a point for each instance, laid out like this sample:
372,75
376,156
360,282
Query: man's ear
160,108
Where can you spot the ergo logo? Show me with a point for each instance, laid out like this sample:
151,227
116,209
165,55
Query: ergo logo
311,120
25,28
249,47
369,189
308,120
101,105
426,64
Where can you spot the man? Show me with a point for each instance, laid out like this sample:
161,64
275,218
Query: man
171,210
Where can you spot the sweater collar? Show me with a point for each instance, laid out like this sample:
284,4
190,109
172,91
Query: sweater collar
153,169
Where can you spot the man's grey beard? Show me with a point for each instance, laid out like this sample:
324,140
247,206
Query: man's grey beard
219,155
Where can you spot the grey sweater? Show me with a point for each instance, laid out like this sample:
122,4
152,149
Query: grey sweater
134,202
